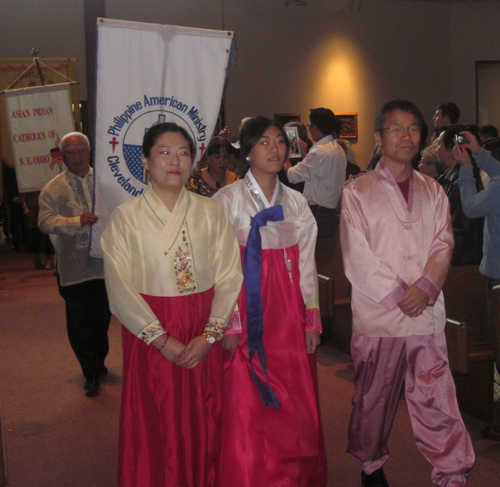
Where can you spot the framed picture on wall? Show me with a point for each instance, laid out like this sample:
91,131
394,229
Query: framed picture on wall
293,137
283,118
349,125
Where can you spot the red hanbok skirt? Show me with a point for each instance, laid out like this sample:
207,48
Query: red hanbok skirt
170,422
264,446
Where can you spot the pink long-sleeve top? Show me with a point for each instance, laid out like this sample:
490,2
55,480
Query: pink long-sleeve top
389,244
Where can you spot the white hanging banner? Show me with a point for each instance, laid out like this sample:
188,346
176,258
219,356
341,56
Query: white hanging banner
38,118
149,74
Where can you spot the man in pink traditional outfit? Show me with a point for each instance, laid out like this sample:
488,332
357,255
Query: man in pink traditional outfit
397,240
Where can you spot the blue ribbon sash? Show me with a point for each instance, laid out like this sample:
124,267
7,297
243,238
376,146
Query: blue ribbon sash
252,266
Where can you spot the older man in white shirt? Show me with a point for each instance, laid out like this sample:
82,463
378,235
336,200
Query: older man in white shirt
323,171
65,214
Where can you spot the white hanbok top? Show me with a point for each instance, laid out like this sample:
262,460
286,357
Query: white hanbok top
244,198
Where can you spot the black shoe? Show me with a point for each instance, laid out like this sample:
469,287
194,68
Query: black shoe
376,479
92,388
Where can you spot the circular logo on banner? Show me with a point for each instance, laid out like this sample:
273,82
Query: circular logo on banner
127,132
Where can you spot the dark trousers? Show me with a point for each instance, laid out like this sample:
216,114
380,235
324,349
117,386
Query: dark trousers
327,220
87,320
39,242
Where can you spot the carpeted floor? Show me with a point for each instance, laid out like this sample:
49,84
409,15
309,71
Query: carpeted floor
56,437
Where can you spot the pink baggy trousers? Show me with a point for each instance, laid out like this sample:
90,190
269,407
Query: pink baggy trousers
380,365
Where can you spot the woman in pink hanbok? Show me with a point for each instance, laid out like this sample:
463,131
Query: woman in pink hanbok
272,428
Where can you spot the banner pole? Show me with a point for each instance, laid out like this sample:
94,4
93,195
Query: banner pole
34,53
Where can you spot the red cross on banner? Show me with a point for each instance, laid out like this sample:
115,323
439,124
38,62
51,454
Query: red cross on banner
114,143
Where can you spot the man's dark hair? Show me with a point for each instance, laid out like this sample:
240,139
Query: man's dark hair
253,130
488,131
450,131
450,110
473,128
338,126
154,132
403,106
324,119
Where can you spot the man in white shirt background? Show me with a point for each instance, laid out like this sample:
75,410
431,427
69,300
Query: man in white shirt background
323,171
65,214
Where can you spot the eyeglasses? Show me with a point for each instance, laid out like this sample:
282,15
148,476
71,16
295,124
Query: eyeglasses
399,129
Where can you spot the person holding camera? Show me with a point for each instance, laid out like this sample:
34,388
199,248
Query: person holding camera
484,204
468,232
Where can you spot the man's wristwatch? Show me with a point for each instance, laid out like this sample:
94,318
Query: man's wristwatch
210,338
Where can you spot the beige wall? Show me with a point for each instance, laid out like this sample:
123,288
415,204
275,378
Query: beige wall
294,58
54,27
474,37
